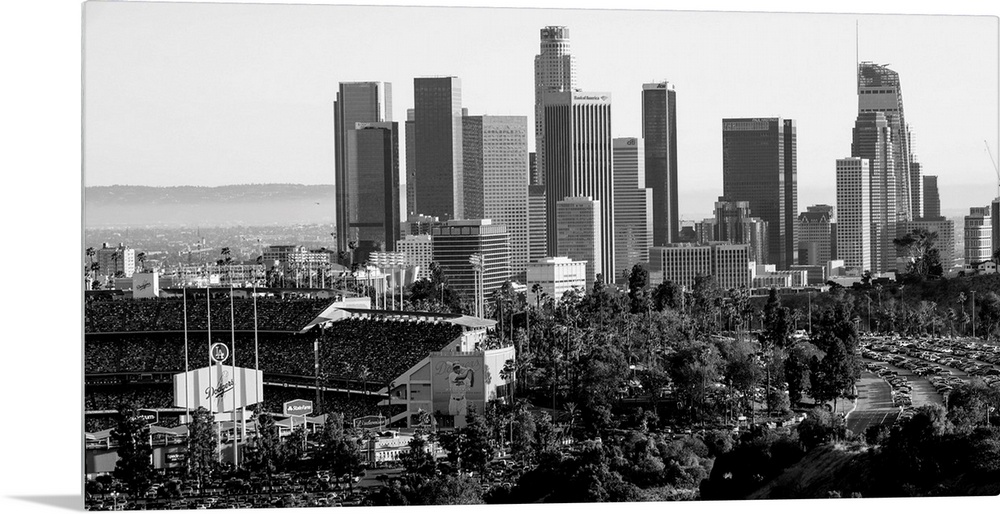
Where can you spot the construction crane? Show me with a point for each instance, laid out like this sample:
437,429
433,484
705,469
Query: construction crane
997,170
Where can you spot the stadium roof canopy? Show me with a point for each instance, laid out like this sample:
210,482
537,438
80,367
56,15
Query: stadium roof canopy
334,314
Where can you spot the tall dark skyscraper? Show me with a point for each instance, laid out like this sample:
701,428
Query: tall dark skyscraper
437,121
411,164
555,70
373,186
659,131
356,102
932,199
759,167
578,161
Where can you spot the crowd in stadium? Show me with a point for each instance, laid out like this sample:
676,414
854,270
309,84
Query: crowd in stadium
142,352
102,398
379,351
363,350
167,314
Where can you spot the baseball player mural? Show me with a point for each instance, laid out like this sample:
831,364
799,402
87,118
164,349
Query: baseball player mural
460,381
457,386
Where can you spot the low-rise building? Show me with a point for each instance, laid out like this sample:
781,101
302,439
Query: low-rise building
557,275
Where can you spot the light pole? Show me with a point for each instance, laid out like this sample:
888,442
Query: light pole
476,260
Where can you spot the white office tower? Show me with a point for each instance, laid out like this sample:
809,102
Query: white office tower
555,70
854,226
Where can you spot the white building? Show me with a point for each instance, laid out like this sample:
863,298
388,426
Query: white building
681,263
854,221
419,252
767,276
978,236
556,275
115,260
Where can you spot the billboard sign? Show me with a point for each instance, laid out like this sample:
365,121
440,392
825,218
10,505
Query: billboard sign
298,408
456,385
218,388
369,422
145,285
175,459
149,415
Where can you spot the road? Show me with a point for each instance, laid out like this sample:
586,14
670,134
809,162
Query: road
874,404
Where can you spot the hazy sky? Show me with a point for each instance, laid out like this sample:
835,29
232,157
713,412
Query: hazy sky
212,94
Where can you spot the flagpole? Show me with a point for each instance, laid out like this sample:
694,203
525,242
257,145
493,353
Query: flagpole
236,383
187,376
256,354
211,383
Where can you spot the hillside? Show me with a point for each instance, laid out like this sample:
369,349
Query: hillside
822,470
239,193
837,469
246,204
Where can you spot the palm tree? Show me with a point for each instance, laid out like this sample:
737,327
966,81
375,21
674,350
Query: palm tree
353,245
141,259
225,261
90,267
571,407
961,302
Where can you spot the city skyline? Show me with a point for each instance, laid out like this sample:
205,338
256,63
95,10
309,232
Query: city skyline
717,80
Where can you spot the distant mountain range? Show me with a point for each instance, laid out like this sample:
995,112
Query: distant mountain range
240,193
244,204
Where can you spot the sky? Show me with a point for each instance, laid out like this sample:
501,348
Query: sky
213,94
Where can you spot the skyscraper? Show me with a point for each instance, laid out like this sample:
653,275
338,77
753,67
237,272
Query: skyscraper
411,164
437,120
854,226
916,199
555,70
759,167
578,159
454,241
356,102
373,187
872,140
495,166
633,205
879,91
659,131
932,199
537,238
579,231
815,235
734,224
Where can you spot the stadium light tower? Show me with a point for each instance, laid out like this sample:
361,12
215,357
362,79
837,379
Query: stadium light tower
476,260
